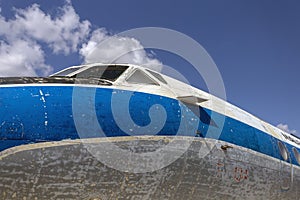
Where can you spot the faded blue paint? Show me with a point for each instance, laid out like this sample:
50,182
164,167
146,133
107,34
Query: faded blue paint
31,114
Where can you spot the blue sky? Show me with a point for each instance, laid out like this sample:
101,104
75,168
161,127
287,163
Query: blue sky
255,44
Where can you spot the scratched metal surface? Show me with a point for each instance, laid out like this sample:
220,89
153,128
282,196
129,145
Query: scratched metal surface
66,170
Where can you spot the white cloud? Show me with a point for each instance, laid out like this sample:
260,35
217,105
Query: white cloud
22,58
105,48
63,33
23,39
285,128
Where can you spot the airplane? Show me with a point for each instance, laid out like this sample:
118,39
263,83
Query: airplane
122,131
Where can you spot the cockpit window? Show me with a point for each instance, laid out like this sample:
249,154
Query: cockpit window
67,71
139,77
158,76
110,72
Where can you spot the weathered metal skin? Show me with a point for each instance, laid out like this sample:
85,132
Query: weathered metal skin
67,170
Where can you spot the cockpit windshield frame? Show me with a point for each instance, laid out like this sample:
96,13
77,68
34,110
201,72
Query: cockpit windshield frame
102,72
67,71
105,72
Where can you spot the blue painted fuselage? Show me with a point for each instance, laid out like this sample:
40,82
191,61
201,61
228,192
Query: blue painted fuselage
37,113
